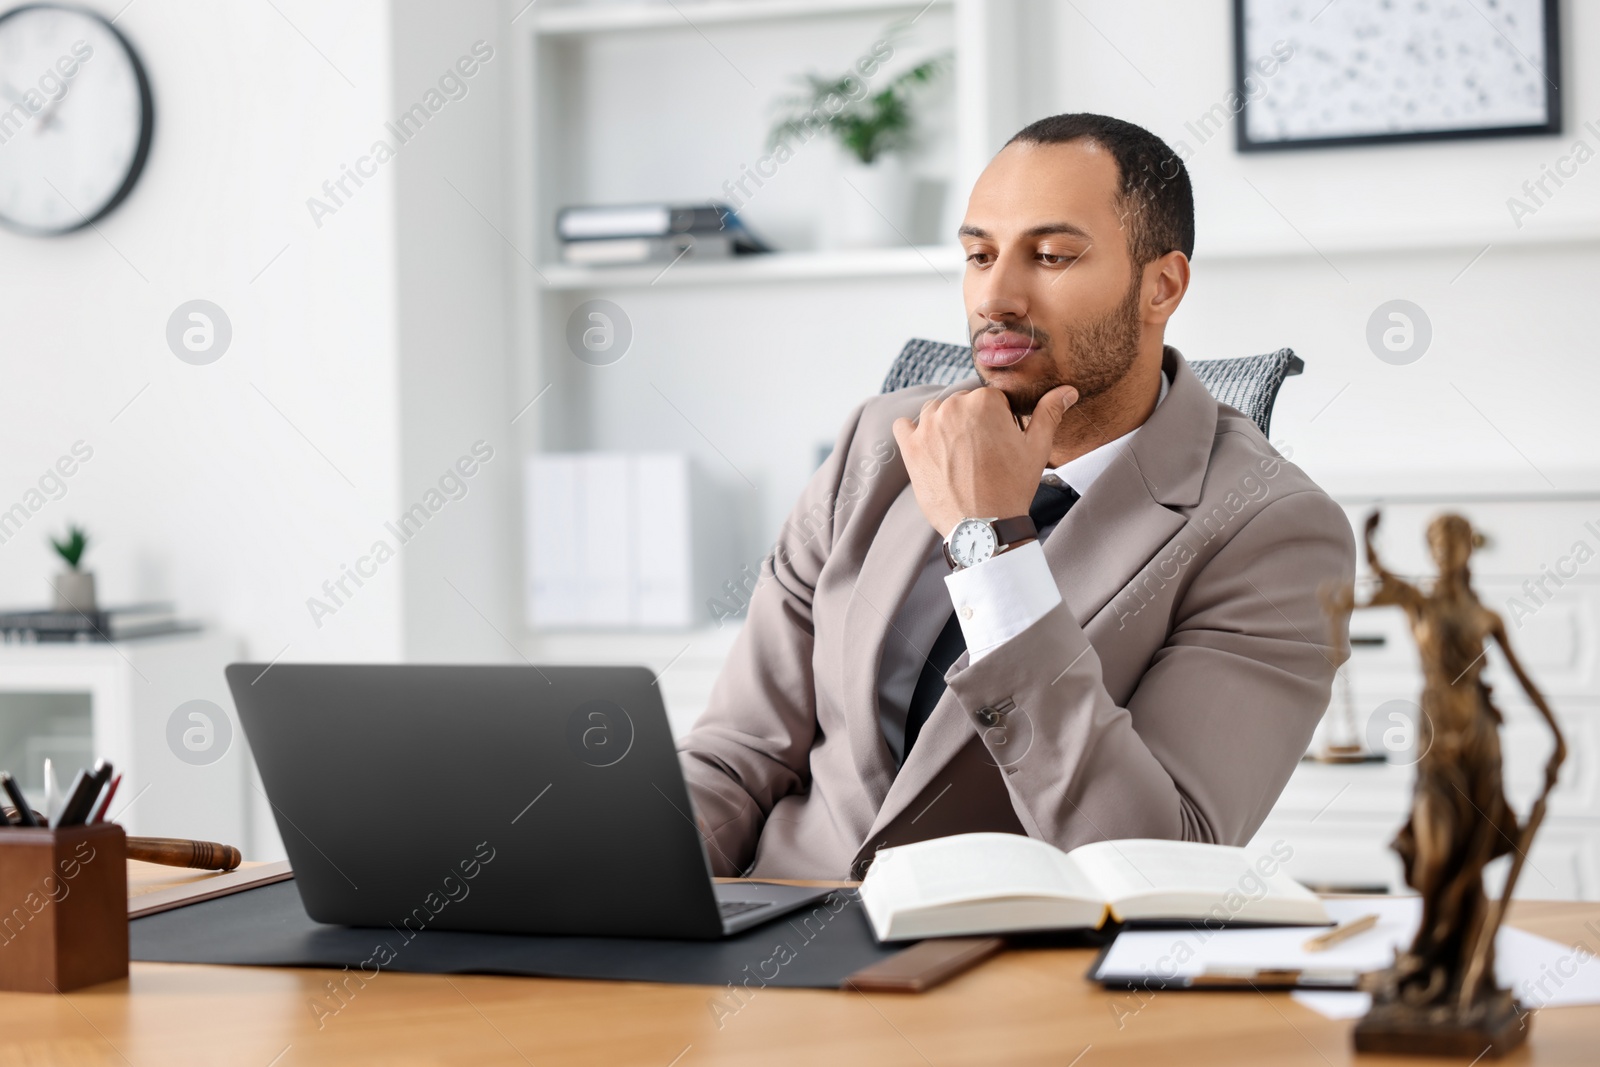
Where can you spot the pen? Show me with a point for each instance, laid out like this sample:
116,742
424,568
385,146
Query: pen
25,816
80,784
85,791
52,793
105,801
1341,932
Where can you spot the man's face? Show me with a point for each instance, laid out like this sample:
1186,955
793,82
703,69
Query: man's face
1051,294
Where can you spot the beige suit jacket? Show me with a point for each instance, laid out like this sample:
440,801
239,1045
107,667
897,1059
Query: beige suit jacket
1169,695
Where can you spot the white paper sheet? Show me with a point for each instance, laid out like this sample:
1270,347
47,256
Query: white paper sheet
1334,1005
1541,972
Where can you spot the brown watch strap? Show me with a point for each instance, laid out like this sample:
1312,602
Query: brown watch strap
1010,531
1007,532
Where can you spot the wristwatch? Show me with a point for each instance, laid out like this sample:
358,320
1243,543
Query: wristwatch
975,540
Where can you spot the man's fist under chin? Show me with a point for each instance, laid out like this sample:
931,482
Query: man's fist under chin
968,459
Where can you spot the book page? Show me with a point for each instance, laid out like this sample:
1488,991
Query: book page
1173,879
982,866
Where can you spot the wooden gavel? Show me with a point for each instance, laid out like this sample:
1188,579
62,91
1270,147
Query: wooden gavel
181,852
171,851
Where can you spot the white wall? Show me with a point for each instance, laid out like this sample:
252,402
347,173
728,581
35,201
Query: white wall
200,491
1503,398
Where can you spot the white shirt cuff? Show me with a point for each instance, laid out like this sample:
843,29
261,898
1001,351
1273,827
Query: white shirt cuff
1001,597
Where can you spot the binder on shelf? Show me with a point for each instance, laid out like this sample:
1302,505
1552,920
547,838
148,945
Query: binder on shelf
616,234
664,552
552,531
616,251
605,571
590,222
626,541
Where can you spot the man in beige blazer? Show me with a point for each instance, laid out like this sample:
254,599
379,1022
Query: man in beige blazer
1140,652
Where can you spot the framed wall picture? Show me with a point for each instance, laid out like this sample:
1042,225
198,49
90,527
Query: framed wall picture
1376,71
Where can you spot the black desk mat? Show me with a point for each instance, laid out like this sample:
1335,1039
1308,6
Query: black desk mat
815,948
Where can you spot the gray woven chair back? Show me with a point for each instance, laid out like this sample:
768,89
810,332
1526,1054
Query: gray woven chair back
1248,383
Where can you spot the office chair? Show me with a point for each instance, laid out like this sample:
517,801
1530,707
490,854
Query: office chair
1247,383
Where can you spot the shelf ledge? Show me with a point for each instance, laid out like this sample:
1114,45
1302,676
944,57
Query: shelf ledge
945,262
933,262
610,18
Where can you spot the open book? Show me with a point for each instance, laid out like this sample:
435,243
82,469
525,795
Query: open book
991,883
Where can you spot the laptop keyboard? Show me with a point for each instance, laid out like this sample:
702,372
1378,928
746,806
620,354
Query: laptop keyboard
731,908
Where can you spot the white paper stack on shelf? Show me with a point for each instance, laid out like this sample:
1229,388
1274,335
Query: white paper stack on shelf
624,541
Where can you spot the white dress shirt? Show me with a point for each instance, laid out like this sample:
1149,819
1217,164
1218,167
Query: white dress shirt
1004,595
995,601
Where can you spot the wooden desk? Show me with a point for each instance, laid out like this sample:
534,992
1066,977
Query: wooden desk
1021,1008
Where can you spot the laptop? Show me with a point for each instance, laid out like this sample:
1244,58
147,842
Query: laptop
532,800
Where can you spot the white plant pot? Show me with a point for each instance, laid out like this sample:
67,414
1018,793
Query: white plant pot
873,207
75,591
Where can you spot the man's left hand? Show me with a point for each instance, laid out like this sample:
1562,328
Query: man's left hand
968,458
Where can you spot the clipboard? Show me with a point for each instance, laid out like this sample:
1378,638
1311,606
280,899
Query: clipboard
1256,958
1221,979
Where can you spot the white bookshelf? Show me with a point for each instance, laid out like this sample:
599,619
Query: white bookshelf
632,102
586,18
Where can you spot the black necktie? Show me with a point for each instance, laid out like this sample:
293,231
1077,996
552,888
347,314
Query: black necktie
1050,503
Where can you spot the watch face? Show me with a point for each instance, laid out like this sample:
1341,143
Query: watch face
75,118
972,542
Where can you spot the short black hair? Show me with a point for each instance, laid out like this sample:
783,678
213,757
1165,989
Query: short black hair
1158,200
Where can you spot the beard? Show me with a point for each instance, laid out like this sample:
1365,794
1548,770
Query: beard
1102,353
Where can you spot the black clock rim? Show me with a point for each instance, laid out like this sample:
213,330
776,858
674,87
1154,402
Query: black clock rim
147,123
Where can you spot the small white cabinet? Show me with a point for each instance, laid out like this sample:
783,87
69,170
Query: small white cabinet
78,701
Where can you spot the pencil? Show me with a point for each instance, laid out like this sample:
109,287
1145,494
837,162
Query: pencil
1341,932
105,801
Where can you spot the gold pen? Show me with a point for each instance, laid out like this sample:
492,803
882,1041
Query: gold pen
1341,932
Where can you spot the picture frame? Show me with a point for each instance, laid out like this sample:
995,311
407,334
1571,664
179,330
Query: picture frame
1473,73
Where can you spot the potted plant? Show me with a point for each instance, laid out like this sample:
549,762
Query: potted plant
74,586
873,129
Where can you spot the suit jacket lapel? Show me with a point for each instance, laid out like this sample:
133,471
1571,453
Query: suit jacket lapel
1106,538
890,569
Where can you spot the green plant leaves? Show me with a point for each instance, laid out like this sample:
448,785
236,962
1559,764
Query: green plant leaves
868,127
73,547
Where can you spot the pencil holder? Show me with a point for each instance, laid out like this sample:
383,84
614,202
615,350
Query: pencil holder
63,908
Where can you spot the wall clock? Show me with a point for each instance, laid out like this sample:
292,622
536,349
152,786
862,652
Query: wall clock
75,118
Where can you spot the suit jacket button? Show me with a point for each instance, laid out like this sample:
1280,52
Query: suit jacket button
988,716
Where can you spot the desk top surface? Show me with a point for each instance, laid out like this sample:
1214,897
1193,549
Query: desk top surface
1023,1007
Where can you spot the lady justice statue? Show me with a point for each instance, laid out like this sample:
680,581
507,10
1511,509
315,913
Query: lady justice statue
1440,996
